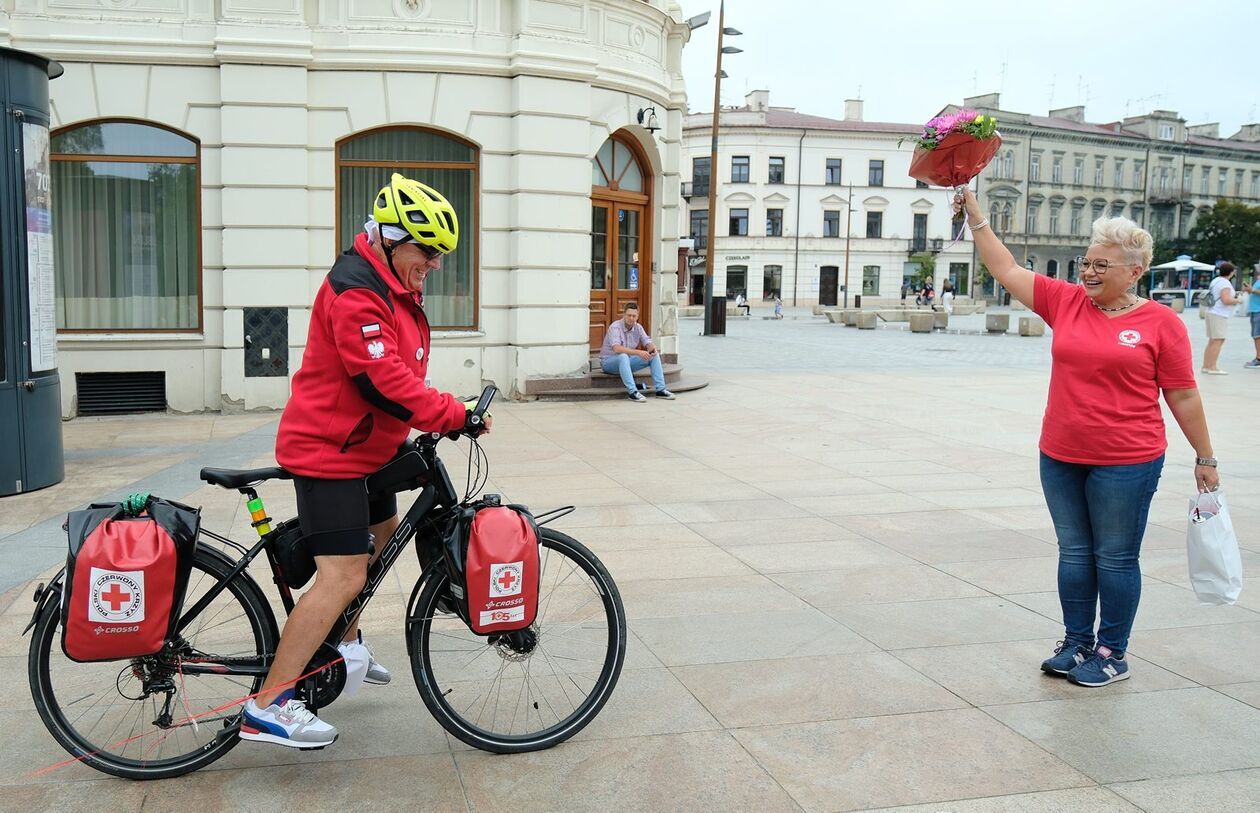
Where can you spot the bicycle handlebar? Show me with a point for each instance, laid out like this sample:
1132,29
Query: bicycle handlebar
476,416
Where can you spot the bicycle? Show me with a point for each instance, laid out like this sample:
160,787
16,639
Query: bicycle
179,710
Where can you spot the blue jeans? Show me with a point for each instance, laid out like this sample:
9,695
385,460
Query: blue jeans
626,364
1099,515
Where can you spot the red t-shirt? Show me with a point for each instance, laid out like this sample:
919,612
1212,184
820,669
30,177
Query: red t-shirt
1106,376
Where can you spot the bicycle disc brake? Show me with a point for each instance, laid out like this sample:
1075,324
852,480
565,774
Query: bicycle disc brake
327,683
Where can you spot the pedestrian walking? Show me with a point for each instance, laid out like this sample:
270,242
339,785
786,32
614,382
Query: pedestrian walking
1221,299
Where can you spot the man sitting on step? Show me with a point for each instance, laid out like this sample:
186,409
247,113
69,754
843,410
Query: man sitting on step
627,348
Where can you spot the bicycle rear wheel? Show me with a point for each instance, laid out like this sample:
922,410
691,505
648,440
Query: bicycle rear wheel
134,718
528,690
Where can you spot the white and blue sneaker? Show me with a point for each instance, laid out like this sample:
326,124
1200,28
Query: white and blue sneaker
1103,668
1067,656
377,674
286,722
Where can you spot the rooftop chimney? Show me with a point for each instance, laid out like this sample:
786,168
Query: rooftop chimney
988,101
1249,132
1076,113
852,109
757,100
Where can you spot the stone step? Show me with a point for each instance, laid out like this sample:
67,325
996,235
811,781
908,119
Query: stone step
613,390
598,378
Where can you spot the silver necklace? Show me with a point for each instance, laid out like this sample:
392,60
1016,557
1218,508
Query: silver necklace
1114,310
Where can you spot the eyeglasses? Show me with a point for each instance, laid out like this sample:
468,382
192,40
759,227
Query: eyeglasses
1099,266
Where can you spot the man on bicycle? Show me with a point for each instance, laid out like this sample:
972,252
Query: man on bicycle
359,392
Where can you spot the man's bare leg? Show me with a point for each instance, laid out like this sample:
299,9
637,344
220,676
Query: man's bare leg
338,580
381,533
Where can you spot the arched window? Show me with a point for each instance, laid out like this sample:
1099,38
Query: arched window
449,164
126,227
616,168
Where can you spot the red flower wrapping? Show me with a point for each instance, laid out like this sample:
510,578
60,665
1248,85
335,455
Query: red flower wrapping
955,161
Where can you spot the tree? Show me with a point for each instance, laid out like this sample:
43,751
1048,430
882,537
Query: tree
927,266
1228,231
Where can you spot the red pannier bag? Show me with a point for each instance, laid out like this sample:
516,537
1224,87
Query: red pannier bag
125,578
501,570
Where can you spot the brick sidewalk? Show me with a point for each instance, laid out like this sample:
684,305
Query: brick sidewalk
840,580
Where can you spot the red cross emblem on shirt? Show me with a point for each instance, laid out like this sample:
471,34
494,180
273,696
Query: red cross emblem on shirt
115,597
507,579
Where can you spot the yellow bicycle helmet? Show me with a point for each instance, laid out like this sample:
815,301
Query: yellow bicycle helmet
421,211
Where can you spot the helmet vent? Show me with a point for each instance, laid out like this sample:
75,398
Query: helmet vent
417,216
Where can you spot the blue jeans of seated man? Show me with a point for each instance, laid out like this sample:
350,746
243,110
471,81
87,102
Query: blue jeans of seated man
1099,515
626,364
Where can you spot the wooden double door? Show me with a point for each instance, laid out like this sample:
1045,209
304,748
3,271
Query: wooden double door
620,264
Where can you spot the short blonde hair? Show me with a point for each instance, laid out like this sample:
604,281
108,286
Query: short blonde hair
1124,234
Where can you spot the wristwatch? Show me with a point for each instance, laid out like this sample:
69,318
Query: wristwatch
1205,461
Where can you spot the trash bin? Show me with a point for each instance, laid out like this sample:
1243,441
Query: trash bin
857,300
1006,298
717,316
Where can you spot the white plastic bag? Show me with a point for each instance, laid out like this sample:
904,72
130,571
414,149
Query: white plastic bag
1212,550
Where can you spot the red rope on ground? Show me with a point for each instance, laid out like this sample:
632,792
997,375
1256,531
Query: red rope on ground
189,719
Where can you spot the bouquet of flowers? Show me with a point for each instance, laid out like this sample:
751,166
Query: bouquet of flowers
954,148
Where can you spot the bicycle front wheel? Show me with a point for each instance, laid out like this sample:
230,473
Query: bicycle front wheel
531,689
143,718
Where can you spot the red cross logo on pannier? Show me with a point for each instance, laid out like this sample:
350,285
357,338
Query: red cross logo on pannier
115,597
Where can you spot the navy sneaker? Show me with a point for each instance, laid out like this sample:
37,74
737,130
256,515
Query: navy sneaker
1103,668
1067,656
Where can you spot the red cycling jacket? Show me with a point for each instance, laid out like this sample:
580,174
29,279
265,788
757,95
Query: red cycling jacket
361,387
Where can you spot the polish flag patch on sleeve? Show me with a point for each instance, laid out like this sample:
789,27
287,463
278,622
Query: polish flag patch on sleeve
371,331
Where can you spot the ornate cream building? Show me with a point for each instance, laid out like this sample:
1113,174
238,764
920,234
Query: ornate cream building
210,159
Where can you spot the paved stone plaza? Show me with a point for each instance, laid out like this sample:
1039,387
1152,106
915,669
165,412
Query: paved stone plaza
840,579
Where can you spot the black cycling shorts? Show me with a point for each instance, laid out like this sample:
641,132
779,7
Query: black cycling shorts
335,514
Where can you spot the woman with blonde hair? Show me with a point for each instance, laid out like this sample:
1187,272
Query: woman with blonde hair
1103,438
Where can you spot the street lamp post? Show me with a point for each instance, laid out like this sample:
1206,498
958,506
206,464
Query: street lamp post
713,168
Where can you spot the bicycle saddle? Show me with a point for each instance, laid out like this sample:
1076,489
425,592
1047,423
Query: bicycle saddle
239,478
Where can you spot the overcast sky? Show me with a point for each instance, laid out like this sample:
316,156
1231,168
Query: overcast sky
909,58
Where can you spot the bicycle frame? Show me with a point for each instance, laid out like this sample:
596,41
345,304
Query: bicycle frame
439,492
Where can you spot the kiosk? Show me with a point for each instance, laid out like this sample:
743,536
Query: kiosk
31,454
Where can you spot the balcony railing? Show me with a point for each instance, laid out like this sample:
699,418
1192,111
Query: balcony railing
702,240
918,245
691,189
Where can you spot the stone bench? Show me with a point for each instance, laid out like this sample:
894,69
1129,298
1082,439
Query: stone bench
834,316
1032,326
866,320
922,321
941,320
997,322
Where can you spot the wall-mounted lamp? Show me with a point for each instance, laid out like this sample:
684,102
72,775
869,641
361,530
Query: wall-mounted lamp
647,117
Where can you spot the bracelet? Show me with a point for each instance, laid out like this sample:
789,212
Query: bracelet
1205,461
981,225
